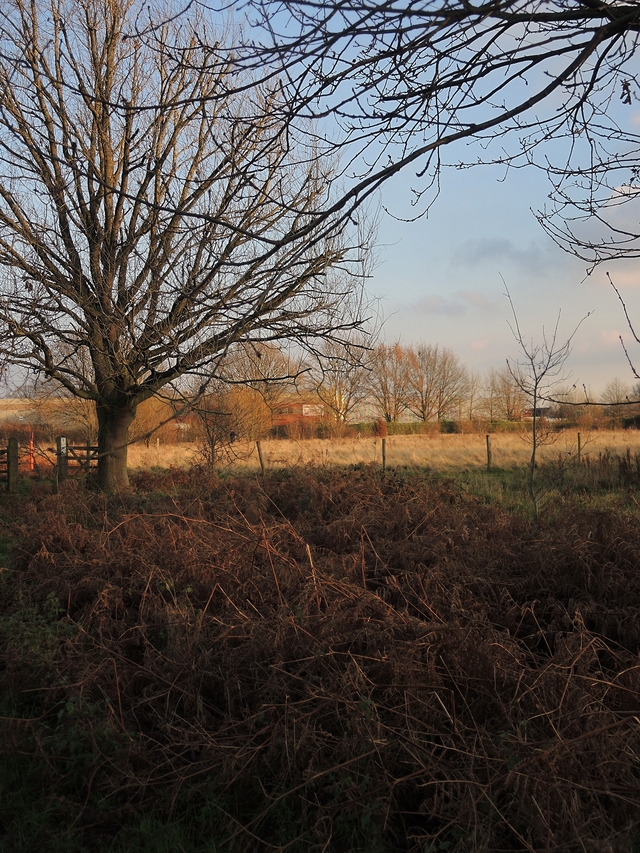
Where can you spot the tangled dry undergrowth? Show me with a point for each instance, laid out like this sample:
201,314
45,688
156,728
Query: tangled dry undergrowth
326,661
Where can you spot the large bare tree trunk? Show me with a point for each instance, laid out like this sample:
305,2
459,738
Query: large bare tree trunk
113,438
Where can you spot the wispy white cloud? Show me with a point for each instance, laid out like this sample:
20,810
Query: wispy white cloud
532,259
476,299
434,304
460,303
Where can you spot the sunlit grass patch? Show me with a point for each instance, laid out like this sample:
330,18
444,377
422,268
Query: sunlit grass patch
432,451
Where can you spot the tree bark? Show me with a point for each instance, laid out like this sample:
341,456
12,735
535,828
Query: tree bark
113,438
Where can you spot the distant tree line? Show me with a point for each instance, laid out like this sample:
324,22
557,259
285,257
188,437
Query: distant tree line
424,384
420,382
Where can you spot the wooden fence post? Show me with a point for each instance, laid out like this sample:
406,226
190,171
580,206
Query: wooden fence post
12,465
488,452
384,455
260,457
62,458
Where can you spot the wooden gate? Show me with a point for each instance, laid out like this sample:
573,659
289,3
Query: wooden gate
73,460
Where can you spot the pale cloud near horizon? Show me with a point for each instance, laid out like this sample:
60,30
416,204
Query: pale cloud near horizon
434,304
456,306
476,299
479,345
624,275
534,259
609,338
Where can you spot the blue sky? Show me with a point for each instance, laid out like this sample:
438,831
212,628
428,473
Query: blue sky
439,279
442,278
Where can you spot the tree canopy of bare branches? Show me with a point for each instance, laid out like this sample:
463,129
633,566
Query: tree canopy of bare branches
389,380
437,381
150,218
616,396
504,397
404,82
539,372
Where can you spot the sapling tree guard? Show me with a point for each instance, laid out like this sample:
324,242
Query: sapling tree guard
150,218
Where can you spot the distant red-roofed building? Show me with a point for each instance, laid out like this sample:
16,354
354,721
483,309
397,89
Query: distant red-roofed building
303,413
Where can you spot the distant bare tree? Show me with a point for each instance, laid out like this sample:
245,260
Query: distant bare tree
504,399
473,402
422,372
617,396
340,377
539,372
572,404
270,370
389,380
437,383
452,384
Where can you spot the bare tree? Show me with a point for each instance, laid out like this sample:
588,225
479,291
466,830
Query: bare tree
150,218
436,380
473,402
389,380
616,396
452,384
490,396
339,375
504,397
267,369
229,418
572,405
422,370
539,372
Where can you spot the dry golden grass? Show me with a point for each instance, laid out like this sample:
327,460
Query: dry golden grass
143,458
439,452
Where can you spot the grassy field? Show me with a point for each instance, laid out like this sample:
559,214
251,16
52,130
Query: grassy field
322,660
607,476
444,453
